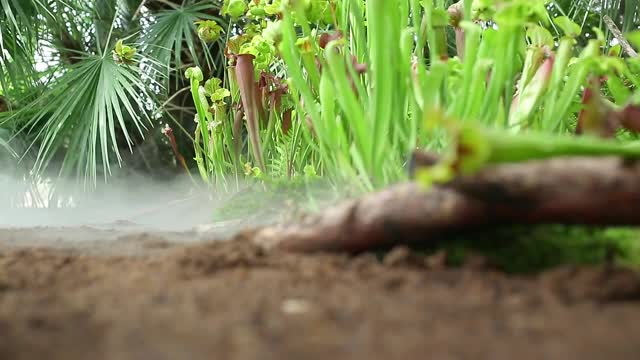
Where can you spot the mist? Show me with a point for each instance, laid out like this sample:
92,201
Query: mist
171,205
139,203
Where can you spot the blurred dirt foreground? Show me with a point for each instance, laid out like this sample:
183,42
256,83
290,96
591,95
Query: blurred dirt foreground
234,300
90,293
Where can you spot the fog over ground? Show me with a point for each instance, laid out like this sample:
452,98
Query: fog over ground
137,202
167,205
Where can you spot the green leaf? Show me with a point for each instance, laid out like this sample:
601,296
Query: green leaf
123,53
262,49
209,30
212,85
213,89
600,35
539,36
194,73
634,38
234,8
440,18
570,28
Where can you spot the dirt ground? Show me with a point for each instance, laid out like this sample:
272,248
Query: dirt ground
154,297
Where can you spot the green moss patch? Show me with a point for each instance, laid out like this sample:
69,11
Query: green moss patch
523,249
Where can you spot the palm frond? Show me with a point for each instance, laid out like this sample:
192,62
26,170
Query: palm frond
5,149
173,29
17,44
590,13
82,116
78,112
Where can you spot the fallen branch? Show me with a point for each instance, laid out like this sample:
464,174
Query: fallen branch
589,191
618,35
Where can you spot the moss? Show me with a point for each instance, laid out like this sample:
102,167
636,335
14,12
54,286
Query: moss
520,249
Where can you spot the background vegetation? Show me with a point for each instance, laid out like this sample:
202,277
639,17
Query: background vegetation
338,89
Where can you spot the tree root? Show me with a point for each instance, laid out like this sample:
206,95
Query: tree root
577,190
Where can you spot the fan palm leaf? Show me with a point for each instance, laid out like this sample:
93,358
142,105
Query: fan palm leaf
5,149
17,44
81,116
173,30
91,104
590,13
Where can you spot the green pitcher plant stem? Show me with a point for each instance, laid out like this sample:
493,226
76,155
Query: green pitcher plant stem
348,87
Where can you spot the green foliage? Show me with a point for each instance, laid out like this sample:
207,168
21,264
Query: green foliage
82,114
123,54
473,148
213,89
589,14
173,33
262,49
5,149
234,8
359,83
86,78
527,250
209,30
346,88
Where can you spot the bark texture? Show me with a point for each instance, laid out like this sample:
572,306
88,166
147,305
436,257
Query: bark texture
589,191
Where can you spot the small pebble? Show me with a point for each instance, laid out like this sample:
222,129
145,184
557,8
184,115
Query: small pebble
295,306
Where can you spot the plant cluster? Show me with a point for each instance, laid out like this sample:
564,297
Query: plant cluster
82,83
339,89
350,88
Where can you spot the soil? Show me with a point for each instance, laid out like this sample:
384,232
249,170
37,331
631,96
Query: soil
183,296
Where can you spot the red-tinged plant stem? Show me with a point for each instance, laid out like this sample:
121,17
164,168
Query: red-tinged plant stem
587,95
460,40
245,76
168,132
455,16
286,121
531,95
262,90
630,118
592,116
275,100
